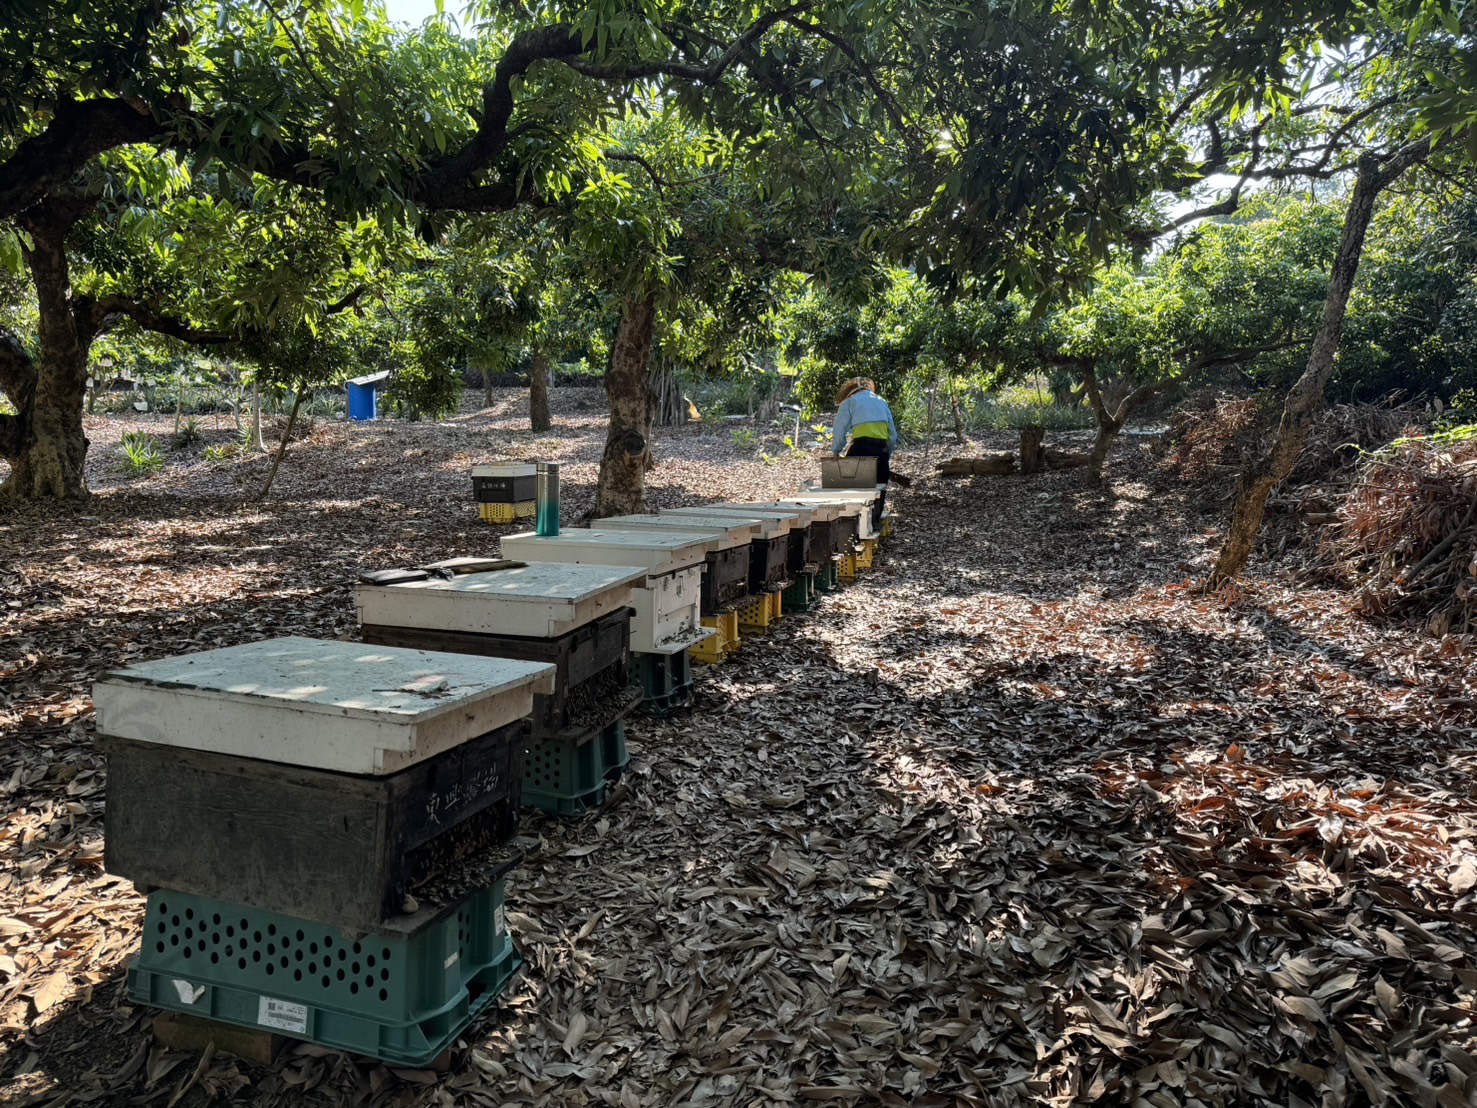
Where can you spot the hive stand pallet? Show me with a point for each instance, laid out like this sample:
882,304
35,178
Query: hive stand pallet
722,642
755,614
566,777
846,568
866,557
887,521
828,576
506,513
666,682
401,997
801,595
777,604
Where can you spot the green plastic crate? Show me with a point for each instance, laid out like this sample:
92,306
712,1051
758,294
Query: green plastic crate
568,777
666,682
801,595
828,577
401,997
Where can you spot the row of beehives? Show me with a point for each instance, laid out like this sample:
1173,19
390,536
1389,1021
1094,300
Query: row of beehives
323,827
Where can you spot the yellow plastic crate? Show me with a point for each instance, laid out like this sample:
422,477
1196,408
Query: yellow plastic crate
776,605
722,642
506,513
868,555
755,614
846,567
887,525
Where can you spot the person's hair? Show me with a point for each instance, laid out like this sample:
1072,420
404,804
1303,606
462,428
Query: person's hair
856,384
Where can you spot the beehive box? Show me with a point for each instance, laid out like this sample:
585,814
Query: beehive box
300,776
769,551
667,607
590,684
801,553
339,706
333,847
540,600
854,502
726,546
505,483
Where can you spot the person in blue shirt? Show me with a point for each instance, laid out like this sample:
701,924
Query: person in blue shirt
866,418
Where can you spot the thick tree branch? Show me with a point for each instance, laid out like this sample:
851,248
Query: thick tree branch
78,132
104,312
889,103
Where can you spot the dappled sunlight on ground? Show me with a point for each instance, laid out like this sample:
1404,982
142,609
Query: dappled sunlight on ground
1022,817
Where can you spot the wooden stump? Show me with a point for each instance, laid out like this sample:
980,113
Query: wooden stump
1033,457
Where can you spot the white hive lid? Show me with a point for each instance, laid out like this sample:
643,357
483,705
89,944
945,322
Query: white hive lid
801,514
655,552
539,599
772,523
332,705
822,511
505,469
730,532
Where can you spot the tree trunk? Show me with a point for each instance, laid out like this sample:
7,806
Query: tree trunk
257,443
1107,435
286,436
44,442
621,486
487,386
1298,411
669,406
958,410
538,393
1033,458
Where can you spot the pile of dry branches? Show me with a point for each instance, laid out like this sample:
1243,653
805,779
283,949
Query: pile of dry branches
1213,437
1407,532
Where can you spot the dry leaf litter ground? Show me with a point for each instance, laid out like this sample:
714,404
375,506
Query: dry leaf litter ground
1020,818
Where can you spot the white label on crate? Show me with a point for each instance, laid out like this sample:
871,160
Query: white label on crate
282,1014
188,991
452,959
500,921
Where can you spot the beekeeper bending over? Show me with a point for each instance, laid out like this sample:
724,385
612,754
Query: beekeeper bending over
866,418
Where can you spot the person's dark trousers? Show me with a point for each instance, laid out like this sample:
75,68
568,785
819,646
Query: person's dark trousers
874,448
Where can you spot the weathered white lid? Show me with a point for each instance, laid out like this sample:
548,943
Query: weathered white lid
731,531
505,469
801,514
656,552
771,523
822,511
540,599
333,705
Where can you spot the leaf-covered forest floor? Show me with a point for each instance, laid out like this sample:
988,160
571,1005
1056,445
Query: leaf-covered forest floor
1019,818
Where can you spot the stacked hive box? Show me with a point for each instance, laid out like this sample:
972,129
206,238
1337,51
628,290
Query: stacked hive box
573,616
667,604
726,550
725,579
316,826
809,543
504,490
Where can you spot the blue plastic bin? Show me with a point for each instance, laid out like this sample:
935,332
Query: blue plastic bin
364,395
